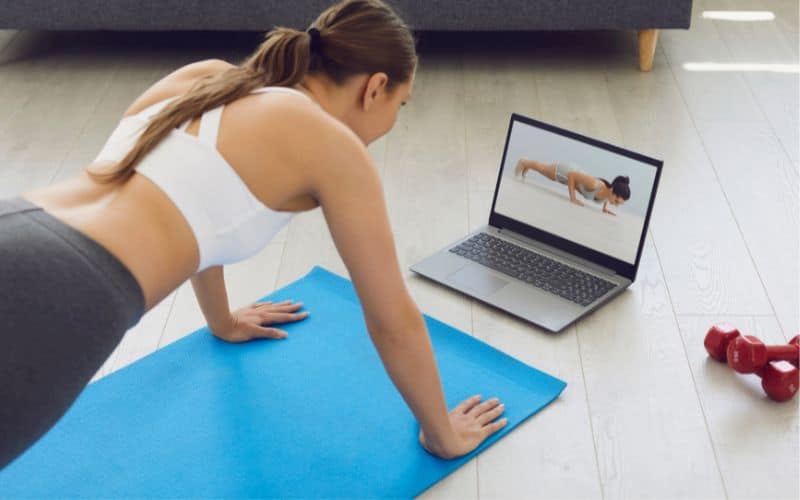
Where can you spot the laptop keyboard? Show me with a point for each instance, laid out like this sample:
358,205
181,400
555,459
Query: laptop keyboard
531,267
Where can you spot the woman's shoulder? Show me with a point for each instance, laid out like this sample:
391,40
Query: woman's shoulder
292,116
297,131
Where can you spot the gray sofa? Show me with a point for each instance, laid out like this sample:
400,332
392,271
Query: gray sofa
645,16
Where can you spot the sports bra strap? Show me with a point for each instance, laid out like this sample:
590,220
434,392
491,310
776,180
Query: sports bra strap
209,126
209,122
154,108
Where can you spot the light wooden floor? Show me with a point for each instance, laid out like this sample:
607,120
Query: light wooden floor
646,414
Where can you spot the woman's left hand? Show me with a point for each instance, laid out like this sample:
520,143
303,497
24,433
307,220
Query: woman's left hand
247,322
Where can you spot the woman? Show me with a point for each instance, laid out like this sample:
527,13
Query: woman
81,261
592,188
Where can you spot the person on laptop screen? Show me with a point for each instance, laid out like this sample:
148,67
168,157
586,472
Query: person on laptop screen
592,188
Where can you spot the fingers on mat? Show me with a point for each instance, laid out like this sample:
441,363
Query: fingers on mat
282,317
492,414
466,405
289,307
485,406
271,333
495,426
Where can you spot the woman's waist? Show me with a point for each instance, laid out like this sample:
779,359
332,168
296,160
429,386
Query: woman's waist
43,255
146,235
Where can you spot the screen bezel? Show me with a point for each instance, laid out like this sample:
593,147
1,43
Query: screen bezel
504,222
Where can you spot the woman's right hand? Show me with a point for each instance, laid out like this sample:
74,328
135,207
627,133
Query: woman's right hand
577,202
472,423
247,323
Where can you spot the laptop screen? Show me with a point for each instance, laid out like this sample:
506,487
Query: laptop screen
576,188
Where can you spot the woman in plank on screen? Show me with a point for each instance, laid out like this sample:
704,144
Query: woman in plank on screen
592,188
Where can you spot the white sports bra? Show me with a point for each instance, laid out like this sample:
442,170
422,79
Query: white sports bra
229,223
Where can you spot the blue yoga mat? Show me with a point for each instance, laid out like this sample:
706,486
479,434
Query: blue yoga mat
314,415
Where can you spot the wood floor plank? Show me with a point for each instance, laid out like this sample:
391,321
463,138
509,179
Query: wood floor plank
631,355
48,96
761,185
782,18
692,210
425,180
710,94
764,43
757,172
426,196
760,41
786,17
551,455
648,423
741,419
706,263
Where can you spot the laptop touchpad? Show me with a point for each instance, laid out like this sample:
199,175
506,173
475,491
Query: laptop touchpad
477,279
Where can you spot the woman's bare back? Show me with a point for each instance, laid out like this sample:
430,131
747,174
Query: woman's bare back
139,224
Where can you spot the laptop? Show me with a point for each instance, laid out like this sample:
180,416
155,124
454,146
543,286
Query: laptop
555,248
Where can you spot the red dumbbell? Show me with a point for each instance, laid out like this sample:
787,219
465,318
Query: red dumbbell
747,354
779,380
718,338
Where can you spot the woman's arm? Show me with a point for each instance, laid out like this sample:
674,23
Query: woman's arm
572,178
245,323
209,287
606,210
345,181
585,180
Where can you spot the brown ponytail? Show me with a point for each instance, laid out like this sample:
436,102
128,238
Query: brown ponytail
355,37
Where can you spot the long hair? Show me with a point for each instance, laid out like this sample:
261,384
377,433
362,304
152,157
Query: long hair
620,186
356,36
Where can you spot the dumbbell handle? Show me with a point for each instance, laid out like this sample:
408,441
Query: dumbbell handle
786,352
783,352
747,353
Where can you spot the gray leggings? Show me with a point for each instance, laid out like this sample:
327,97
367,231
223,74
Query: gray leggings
65,304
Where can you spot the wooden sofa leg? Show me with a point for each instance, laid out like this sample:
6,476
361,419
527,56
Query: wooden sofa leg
647,48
